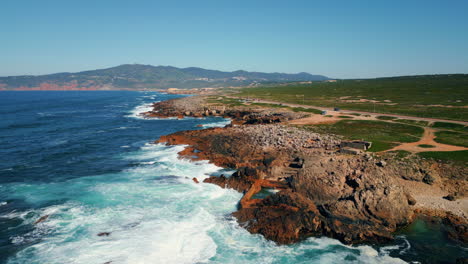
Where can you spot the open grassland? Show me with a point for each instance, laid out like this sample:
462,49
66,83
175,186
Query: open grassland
459,157
435,96
222,100
450,126
412,122
383,135
452,138
295,109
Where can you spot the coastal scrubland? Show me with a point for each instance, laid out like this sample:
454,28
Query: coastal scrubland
383,135
431,96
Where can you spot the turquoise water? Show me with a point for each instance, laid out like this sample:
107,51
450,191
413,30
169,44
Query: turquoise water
86,160
427,241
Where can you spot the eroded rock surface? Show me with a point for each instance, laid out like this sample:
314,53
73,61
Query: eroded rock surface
346,197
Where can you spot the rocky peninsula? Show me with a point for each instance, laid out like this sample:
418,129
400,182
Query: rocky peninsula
312,187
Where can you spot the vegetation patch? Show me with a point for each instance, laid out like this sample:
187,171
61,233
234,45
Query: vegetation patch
383,135
412,122
447,156
343,116
295,109
355,114
400,154
386,117
450,126
452,138
269,105
426,146
308,110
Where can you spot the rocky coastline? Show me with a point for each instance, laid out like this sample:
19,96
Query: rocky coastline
313,189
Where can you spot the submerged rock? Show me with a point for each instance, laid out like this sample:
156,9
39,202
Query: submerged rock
41,219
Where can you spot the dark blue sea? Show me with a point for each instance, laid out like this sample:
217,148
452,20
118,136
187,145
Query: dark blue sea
85,164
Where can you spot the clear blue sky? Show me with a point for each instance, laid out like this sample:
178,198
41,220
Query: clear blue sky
344,39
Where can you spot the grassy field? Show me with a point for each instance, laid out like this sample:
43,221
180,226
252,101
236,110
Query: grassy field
460,157
422,96
450,126
386,117
452,138
412,122
383,135
308,110
224,101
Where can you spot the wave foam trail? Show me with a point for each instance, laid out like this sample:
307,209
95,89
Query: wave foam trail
150,219
136,112
222,123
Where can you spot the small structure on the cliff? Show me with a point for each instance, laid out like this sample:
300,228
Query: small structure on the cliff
354,147
356,144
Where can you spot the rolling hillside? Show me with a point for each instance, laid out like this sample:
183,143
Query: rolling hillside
137,76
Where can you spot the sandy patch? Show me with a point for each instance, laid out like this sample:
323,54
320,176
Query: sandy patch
427,139
315,120
430,197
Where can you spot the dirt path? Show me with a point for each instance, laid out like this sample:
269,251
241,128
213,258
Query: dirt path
330,118
359,112
315,120
427,139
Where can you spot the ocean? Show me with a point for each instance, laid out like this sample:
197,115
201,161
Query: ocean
84,161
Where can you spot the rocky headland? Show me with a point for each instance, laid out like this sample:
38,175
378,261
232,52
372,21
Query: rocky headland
313,189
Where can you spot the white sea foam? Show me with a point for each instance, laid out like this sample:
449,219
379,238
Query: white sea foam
123,128
221,123
3,203
150,222
136,112
401,248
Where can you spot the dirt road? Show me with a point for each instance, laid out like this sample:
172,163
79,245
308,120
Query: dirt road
427,139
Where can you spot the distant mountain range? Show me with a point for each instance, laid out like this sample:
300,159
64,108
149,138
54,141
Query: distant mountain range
137,76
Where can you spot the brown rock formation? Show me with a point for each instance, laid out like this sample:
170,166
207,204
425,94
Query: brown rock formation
345,197
194,107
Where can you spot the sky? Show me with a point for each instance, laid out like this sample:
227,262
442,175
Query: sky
336,38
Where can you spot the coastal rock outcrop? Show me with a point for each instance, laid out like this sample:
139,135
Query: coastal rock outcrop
312,188
194,107
350,198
